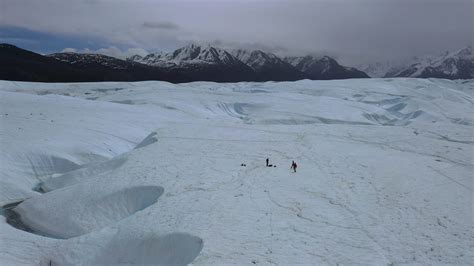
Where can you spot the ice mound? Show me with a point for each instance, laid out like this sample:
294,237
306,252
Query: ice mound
171,249
150,139
81,174
43,164
393,119
59,214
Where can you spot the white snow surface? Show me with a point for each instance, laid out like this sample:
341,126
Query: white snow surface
150,172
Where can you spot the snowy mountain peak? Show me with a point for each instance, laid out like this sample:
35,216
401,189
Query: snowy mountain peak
268,65
465,52
190,54
455,65
201,62
257,58
327,59
185,53
305,63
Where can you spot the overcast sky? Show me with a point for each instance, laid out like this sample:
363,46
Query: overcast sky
355,29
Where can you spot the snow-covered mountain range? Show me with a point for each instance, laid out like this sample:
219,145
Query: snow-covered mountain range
449,65
207,63
20,64
266,66
201,63
454,65
191,54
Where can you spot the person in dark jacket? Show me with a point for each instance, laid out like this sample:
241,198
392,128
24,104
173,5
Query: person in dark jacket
267,160
293,166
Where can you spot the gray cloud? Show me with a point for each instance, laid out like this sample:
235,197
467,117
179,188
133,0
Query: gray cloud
160,25
357,30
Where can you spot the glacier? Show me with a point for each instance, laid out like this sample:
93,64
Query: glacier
170,174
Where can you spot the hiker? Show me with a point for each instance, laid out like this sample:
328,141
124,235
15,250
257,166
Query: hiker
293,166
268,160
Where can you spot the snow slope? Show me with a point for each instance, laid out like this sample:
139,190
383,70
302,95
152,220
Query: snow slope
150,172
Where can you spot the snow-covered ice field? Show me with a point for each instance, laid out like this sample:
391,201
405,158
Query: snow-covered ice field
150,173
